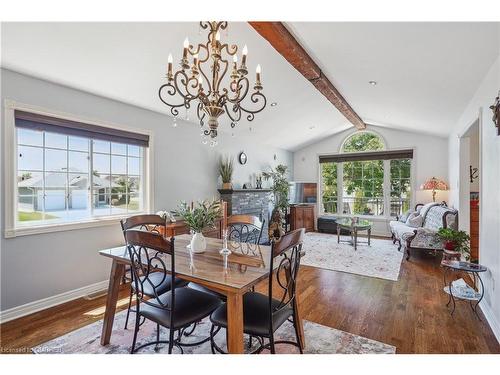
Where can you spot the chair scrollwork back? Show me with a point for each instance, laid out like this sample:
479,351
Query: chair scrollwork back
244,228
287,252
148,222
148,253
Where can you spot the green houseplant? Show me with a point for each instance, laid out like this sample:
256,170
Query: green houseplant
455,240
226,169
280,188
199,217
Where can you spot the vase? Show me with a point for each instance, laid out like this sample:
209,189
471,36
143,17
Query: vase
227,186
198,243
449,245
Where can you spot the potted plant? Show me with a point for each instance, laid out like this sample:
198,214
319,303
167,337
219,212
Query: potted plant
226,171
280,188
202,216
455,240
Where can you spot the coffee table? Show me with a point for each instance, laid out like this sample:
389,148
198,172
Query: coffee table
354,225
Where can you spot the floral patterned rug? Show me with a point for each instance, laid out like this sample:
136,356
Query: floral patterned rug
381,259
319,340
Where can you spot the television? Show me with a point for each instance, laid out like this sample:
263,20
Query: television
303,192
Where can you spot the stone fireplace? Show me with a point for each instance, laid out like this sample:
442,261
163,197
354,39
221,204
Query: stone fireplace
256,202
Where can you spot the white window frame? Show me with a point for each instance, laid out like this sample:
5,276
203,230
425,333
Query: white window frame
10,177
386,185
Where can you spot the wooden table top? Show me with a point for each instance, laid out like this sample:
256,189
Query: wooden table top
247,264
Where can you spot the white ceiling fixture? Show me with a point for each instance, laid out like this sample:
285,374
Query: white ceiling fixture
373,83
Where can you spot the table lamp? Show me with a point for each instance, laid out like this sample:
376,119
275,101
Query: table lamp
434,184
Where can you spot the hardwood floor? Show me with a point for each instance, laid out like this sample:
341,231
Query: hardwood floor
409,314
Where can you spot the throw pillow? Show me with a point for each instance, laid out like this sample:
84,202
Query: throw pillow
404,216
415,221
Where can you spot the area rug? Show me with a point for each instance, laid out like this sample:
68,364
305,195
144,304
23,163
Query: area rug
381,259
319,340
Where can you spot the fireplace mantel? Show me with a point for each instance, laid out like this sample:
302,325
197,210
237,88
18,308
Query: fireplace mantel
236,191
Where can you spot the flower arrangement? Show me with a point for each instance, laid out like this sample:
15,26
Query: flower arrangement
201,216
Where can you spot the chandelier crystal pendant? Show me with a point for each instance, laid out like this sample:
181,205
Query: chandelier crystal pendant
201,82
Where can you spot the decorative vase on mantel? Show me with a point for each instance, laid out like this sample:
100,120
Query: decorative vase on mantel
227,186
198,243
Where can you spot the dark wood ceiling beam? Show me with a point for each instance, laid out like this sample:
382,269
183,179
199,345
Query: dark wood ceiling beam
285,43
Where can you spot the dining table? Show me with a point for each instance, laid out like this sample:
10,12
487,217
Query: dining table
246,266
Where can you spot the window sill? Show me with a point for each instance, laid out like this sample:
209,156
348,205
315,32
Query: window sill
366,217
61,227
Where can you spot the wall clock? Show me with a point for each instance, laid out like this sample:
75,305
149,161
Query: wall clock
242,158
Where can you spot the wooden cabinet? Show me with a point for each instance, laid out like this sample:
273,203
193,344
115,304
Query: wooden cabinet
302,216
179,227
474,231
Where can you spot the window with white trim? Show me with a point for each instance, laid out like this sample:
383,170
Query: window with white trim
69,172
364,179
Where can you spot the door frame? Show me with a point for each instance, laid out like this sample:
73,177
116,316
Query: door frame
463,176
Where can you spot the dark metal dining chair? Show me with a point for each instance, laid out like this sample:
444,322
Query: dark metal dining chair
177,309
154,224
245,228
241,228
263,315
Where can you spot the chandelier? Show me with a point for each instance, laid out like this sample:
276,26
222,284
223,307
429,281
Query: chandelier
201,82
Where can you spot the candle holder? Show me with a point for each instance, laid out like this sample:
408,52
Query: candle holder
225,252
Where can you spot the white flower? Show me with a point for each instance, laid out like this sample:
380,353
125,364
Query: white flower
163,214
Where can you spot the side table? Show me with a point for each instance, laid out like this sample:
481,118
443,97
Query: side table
472,294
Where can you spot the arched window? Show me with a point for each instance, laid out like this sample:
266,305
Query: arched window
363,141
353,182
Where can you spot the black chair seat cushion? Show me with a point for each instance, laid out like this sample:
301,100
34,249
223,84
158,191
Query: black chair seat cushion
190,306
201,288
255,315
161,281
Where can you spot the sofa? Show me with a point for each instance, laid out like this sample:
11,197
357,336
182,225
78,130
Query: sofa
433,216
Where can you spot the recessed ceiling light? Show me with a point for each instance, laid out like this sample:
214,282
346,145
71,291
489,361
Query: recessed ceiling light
274,104
311,127
373,83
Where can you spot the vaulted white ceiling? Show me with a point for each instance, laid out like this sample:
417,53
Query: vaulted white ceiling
426,73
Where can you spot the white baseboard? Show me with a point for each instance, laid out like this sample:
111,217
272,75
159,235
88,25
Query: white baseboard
42,304
492,320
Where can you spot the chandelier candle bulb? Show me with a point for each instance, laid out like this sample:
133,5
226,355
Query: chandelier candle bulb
244,56
258,70
169,70
186,46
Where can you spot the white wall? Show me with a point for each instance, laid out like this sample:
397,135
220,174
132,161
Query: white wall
430,159
489,172
39,266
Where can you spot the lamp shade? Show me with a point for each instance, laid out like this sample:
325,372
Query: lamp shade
434,184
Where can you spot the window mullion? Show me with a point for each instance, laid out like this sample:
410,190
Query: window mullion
340,187
43,178
91,178
387,188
